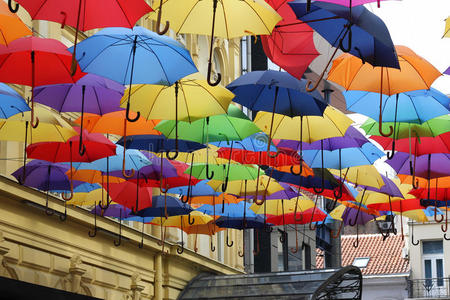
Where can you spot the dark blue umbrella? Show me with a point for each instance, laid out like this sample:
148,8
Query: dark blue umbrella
165,206
306,182
355,30
11,102
159,143
238,222
277,92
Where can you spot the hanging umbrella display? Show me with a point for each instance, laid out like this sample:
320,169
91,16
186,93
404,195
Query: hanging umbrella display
35,61
159,144
367,176
130,194
242,188
415,73
218,19
87,15
11,26
90,94
291,44
356,30
11,102
189,99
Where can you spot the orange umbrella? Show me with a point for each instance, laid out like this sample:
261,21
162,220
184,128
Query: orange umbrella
441,182
213,200
415,73
11,27
92,176
116,123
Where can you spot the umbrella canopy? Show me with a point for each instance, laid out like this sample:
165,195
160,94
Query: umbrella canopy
158,143
291,44
329,181
127,56
364,34
196,17
189,99
91,94
11,27
182,221
224,198
231,126
113,211
234,172
97,147
244,188
418,146
441,194
88,14
366,175
239,223
413,106
199,189
11,102
165,206
333,123
44,175
351,215
426,166
390,188
130,195
276,92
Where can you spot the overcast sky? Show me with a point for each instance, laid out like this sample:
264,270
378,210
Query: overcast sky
419,24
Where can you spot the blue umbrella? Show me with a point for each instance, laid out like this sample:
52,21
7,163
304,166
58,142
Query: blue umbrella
255,143
276,92
11,102
413,107
84,187
231,210
307,182
165,206
357,31
200,189
367,154
159,143
132,56
239,223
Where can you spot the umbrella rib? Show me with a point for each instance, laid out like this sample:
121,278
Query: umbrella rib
126,16
417,71
187,15
64,98
65,67
225,19
98,101
157,58
259,17
213,96
185,102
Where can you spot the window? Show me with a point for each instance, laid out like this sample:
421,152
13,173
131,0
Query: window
361,262
433,264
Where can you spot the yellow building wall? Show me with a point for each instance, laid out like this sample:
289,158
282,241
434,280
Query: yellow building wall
41,249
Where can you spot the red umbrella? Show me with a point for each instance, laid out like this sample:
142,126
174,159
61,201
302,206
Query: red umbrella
441,194
87,14
35,61
291,44
284,158
398,205
307,216
122,194
419,146
96,145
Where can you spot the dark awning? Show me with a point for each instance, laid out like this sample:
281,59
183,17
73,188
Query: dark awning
344,283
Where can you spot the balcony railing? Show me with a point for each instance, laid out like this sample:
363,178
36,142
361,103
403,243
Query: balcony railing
429,288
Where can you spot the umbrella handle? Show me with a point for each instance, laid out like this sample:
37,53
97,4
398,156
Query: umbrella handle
141,243
191,221
117,243
229,245
390,155
11,8
242,253
295,250
81,147
257,243
311,225
219,76
445,237
444,226
301,169
359,209
308,5
48,211
349,44
295,210
310,88
435,216
158,21
356,243
283,236
63,217
415,243
127,115
322,189
338,233
94,233
380,117
207,173
24,173
213,248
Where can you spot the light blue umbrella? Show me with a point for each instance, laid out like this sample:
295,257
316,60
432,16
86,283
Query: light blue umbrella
11,102
200,189
132,56
367,154
134,160
413,107
255,143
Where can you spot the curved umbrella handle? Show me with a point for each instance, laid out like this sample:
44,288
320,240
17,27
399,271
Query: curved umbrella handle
322,189
63,217
415,243
219,76
356,243
338,233
283,236
209,77
81,147
349,40
300,172
180,249
380,117
48,211
295,250
34,121
127,115
242,253
117,243
296,208
445,237
158,21
11,8
94,233
390,155
213,248
191,221
435,216
229,245
209,176
311,225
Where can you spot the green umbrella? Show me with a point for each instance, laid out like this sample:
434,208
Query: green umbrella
233,126
430,128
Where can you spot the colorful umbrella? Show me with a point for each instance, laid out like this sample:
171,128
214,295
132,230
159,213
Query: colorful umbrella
291,44
415,73
199,17
11,27
165,206
159,143
11,102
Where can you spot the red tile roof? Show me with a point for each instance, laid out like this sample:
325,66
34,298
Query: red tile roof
385,257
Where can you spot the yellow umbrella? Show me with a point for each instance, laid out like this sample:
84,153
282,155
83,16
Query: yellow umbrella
279,207
228,19
362,175
241,188
90,199
189,99
333,123
447,28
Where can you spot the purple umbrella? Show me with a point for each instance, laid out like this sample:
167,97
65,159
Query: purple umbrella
113,210
91,94
389,188
447,72
428,166
45,176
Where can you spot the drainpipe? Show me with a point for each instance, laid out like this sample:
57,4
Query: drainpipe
158,282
